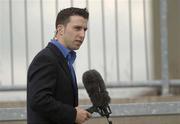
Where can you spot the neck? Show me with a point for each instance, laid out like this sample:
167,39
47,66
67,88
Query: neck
60,40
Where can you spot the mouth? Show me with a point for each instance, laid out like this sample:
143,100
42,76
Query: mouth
79,41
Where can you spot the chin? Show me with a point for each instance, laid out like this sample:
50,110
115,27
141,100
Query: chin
76,47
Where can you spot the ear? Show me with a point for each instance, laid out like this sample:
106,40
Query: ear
60,29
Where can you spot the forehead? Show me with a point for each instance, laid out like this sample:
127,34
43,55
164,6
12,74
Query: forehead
78,20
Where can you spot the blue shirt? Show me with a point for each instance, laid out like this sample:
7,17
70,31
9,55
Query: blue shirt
65,51
70,56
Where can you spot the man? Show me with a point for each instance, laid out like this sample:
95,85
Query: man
52,96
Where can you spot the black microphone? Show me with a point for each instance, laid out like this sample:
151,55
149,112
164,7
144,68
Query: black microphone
96,89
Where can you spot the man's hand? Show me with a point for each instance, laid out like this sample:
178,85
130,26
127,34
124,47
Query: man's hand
82,115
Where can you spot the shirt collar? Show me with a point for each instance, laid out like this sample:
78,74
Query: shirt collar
70,55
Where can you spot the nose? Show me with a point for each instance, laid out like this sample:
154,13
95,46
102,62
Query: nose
82,34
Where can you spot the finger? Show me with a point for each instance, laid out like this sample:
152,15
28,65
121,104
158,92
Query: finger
86,119
89,115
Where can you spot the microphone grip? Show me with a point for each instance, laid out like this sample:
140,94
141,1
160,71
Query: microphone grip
103,112
91,109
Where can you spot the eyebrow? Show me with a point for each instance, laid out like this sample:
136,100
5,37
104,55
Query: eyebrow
77,26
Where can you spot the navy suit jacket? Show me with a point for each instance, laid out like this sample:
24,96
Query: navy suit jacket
50,96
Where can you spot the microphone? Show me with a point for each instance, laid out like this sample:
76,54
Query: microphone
96,89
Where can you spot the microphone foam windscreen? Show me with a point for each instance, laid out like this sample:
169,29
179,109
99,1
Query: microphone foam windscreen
95,87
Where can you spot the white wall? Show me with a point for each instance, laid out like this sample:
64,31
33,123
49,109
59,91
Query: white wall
5,61
117,56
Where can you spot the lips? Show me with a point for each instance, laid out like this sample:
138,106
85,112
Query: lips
79,41
77,44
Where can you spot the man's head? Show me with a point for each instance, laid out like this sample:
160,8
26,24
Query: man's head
71,24
65,14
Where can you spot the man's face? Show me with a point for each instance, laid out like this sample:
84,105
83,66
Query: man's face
74,32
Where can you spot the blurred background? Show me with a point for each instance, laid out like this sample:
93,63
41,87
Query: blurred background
134,44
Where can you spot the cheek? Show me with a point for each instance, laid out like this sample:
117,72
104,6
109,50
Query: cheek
70,34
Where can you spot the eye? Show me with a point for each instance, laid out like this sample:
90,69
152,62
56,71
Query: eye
85,29
78,28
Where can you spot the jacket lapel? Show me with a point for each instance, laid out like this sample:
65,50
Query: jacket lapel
60,58
64,65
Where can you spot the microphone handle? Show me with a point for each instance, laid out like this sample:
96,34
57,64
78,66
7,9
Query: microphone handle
94,109
109,121
91,109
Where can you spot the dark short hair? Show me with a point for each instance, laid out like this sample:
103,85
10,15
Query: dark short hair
63,15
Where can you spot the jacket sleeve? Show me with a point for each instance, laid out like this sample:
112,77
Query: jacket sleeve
41,85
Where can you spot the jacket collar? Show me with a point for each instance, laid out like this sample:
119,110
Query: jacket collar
60,57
